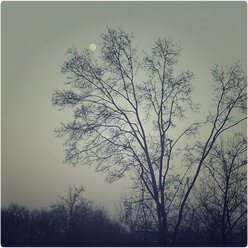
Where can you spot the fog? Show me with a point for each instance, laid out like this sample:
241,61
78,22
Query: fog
35,37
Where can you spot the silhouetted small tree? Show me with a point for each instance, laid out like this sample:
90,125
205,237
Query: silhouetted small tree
15,221
223,196
70,212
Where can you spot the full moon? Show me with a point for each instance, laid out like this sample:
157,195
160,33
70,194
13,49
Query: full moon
92,47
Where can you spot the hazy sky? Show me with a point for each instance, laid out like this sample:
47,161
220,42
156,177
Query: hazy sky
35,37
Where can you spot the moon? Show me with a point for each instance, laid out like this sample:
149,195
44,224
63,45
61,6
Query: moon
92,46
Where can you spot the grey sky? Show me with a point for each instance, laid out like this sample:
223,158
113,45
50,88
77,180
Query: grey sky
35,37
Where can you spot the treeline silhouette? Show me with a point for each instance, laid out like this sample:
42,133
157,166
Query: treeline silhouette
72,221
23,227
76,221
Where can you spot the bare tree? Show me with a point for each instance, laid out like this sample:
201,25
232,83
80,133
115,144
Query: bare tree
224,195
70,210
125,109
138,214
15,225
229,111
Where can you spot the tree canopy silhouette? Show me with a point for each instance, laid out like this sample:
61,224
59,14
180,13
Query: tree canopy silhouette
126,110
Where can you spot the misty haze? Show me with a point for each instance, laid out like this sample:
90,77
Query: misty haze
124,124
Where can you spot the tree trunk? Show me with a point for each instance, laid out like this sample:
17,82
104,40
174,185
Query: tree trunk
163,229
223,237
